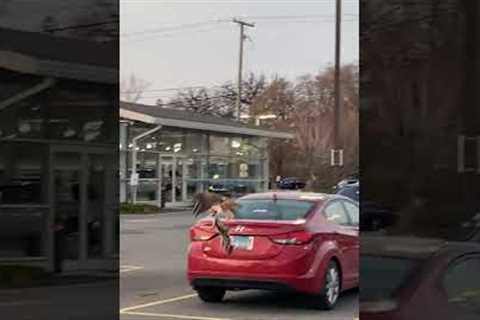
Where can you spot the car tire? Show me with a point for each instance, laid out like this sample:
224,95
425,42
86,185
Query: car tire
211,294
328,297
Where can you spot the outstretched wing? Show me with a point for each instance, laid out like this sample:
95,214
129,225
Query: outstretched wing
204,201
224,234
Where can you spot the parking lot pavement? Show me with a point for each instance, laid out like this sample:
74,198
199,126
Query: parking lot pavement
61,301
154,286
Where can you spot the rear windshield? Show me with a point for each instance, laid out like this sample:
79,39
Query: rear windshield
382,276
272,209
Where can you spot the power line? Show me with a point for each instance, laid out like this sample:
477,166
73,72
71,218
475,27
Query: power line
293,17
304,21
168,35
186,26
147,37
191,26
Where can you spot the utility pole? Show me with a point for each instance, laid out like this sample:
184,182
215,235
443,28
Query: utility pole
242,25
337,152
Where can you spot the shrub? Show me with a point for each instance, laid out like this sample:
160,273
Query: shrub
130,208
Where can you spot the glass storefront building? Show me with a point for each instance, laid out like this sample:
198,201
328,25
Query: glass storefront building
190,153
58,153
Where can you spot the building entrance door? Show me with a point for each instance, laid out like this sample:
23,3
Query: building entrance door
84,193
174,177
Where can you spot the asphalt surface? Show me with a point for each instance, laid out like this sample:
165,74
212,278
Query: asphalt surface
153,282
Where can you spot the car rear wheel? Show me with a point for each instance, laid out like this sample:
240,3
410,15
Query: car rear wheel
211,294
331,290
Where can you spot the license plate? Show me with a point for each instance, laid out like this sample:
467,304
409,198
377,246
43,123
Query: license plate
242,242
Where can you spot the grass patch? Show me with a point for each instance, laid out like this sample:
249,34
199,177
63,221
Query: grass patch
130,208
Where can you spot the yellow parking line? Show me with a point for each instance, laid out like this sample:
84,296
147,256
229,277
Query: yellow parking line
155,303
171,316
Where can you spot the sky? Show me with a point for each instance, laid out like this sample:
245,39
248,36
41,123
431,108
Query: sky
194,42
176,44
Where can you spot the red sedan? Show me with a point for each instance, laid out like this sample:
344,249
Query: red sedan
418,279
300,242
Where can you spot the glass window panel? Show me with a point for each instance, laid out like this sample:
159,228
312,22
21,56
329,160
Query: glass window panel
272,209
171,141
67,174
353,212
195,143
78,123
24,120
219,145
27,239
96,204
336,214
147,163
23,173
147,191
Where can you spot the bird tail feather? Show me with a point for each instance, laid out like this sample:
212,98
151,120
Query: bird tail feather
196,209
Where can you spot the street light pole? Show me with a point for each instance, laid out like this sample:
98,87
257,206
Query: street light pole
242,25
337,152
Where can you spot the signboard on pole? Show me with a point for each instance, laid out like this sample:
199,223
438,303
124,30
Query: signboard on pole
134,179
336,158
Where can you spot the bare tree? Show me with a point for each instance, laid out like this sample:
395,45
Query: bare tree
198,100
307,109
219,101
252,87
132,88
277,98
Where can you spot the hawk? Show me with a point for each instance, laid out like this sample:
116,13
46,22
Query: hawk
218,207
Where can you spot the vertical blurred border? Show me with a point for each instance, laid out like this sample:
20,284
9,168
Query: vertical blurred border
420,159
59,245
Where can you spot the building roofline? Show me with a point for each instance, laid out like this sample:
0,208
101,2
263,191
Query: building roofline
58,57
22,63
203,123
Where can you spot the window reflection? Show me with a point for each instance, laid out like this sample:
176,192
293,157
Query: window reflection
22,173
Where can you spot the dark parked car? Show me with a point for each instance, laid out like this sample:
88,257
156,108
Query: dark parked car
351,190
220,189
291,183
373,216
345,182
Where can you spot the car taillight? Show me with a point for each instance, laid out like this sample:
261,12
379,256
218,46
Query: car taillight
293,238
198,234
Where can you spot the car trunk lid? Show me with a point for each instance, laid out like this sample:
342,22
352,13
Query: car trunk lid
251,239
